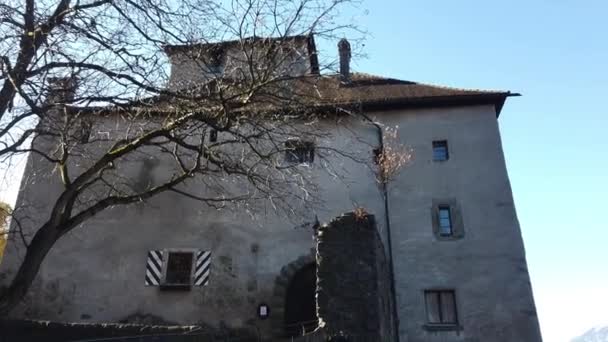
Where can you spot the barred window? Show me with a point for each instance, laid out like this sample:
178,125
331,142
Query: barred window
179,268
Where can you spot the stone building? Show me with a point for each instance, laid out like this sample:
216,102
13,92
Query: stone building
452,256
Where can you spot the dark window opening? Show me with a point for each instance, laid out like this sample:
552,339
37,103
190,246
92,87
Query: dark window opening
440,150
300,303
299,151
445,221
213,135
179,269
85,131
377,155
215,61
441,307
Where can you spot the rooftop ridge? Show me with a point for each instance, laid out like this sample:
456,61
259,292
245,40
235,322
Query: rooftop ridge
171,48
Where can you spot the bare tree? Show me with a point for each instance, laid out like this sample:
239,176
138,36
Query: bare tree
393,156
5,213
70,68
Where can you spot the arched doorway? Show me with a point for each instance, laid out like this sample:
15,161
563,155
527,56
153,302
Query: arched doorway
300,304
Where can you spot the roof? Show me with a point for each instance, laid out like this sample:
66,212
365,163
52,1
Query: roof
376,92
366,91
325,93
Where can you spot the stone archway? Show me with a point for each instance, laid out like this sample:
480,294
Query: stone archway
281,288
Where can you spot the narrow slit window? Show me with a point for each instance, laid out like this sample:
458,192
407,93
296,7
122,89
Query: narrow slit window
445,221
440,150
85,131
377,155
441,307
213,135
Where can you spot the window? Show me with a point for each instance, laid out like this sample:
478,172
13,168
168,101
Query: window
445,220
179,269
213,135
85,131
440,307
215,61
440,150
377,155
299,151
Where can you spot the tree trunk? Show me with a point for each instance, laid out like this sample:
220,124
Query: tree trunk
41,244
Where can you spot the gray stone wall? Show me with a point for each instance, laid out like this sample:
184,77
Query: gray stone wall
353,294
385,297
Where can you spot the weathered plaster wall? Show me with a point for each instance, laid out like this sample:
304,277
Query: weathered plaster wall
96,272
192,68
487,267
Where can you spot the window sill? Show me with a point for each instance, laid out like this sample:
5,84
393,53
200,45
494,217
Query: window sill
175,287
441,327
448,237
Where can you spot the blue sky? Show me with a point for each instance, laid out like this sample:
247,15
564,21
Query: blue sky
556,54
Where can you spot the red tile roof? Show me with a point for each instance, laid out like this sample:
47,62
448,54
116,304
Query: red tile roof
326,92
374,91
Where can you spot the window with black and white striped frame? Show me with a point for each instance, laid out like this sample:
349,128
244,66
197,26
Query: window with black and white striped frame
177,269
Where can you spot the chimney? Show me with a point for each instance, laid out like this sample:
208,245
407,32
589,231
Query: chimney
344,51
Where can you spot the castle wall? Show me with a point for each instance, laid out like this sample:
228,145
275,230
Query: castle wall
486,266
96,273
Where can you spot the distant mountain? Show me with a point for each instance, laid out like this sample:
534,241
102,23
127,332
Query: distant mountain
593,335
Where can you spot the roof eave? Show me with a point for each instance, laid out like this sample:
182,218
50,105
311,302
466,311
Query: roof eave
501,104
171,49
496,99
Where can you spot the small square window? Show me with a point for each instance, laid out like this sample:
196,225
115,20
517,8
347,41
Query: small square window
440,307
445,221
179,269
298,151
440,150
